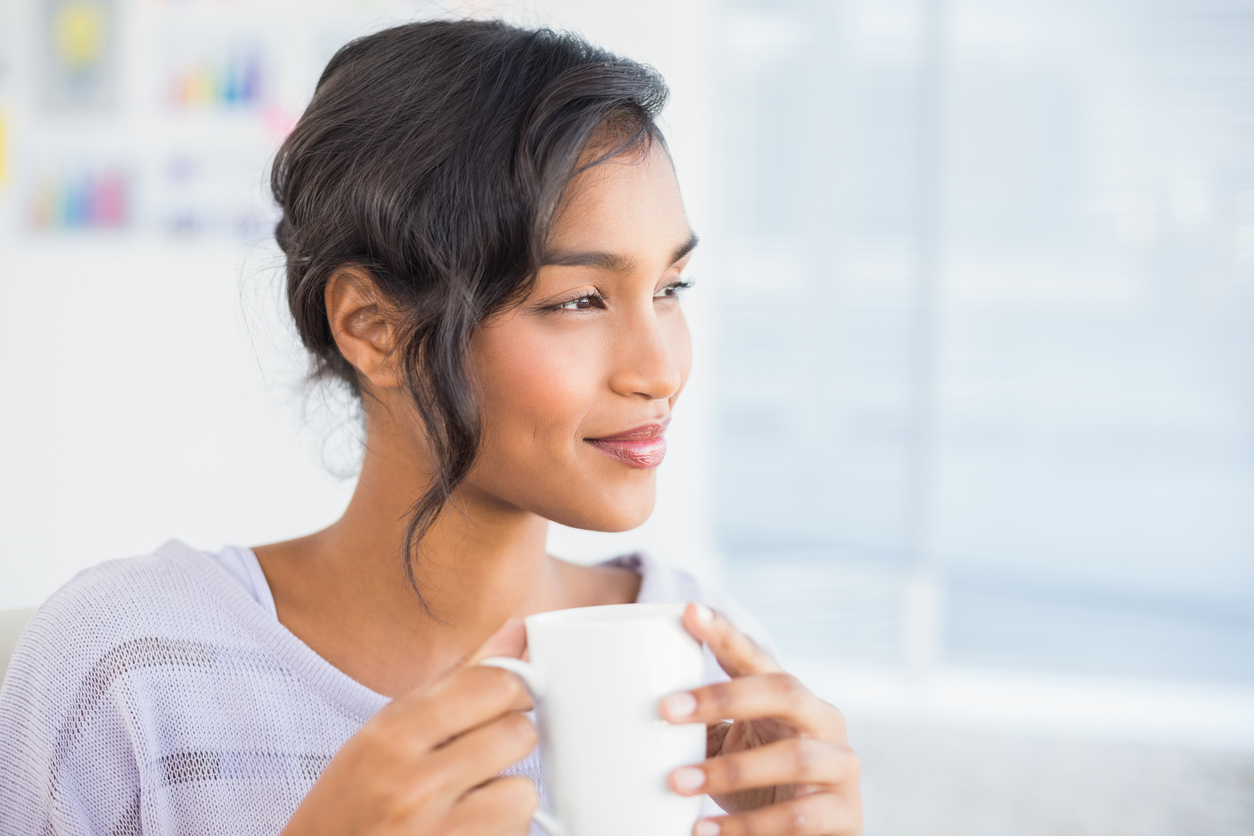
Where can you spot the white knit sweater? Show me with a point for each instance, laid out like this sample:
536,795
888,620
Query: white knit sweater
155,696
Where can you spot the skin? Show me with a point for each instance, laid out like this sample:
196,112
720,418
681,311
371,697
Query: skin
599,346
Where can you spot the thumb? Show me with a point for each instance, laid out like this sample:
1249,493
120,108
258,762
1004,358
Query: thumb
509,640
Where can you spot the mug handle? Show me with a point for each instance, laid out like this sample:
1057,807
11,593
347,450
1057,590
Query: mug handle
535,684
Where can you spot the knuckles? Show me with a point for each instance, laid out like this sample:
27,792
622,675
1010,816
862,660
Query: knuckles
403,809
797,818
783,689
387,742
811,814
806,759
730,774
503,804
789,690
853,765
836,721
521,731
519,798
719,699
502,687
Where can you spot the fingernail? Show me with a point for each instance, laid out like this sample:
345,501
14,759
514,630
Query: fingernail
678,706
688,779
705,615
706,827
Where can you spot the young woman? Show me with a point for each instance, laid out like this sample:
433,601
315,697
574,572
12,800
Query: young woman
485,242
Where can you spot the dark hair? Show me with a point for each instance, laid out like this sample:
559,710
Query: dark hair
434,156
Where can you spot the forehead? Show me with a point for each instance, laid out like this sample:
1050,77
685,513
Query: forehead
627,204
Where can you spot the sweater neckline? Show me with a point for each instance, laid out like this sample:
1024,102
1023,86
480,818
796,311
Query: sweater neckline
345,693
338,688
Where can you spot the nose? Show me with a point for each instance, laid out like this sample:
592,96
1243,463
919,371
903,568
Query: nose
644,357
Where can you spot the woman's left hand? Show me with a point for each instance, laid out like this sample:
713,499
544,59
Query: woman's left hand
782,766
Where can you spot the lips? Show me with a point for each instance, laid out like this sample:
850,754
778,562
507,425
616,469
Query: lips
642,447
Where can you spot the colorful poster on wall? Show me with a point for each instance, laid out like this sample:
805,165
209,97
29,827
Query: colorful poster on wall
81,197
78,48
230,79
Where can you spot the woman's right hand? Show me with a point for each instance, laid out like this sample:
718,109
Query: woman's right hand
428,762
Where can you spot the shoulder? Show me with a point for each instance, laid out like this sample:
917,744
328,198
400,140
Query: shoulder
114,618
174,609
63,708
112,582
172,592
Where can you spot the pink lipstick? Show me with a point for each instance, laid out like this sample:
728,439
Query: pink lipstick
642,447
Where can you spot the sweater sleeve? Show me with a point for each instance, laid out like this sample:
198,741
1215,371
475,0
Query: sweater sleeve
67,760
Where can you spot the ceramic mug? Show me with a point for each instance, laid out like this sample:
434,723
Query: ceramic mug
597,675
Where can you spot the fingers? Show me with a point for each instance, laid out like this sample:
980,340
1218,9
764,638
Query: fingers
810,815
510,640
465,697
738,654
797,760
468,698
502,806
483,753
776,695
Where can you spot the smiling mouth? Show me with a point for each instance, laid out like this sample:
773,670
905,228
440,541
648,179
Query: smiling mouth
643,447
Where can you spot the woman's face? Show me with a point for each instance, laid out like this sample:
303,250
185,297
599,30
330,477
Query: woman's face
579,380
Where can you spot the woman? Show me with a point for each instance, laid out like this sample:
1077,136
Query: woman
485,242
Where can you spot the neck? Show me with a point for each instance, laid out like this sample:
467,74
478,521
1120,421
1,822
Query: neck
482,562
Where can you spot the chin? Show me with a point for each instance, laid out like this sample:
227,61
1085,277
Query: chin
609,511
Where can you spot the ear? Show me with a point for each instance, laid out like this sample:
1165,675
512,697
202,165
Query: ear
363,325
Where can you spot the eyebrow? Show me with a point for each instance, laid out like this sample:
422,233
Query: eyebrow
612,262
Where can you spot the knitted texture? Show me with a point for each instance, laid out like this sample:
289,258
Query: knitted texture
154,696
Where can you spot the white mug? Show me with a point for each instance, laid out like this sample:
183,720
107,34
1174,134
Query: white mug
597,675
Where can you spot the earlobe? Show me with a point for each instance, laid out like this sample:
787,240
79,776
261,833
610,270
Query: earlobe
362,324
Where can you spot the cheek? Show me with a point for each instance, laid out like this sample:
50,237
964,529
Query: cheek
536,388
539,390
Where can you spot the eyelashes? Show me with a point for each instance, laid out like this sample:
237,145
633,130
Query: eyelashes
593,301
676,289
586,302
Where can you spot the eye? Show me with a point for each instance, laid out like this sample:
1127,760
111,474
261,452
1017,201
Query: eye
581,303
673,290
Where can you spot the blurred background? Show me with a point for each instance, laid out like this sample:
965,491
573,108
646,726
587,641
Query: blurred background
971,428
